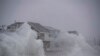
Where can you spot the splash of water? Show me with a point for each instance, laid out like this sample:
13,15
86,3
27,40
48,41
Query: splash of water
23,42
72,45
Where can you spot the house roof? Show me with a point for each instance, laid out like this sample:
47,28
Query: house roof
15,24
38,27
35,26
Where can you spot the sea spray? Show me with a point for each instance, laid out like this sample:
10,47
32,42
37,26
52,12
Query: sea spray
72,45
23,42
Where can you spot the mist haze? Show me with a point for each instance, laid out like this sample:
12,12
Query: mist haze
80,15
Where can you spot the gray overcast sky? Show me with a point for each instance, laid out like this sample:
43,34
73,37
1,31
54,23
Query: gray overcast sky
80,15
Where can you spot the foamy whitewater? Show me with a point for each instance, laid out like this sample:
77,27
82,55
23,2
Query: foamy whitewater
23,42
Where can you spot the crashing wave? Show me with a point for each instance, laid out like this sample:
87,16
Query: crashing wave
23,42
